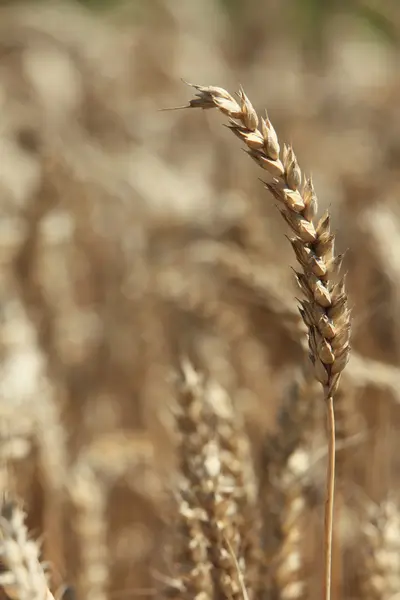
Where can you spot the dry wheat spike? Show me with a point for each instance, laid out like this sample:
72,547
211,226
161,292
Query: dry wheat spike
191,547
216,495
380,548
23,577
324,308
287,461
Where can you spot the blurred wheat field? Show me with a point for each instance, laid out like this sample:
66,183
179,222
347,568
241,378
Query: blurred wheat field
149,329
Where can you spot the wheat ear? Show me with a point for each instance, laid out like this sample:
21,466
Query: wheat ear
89,498
324,308
216,494
23,577
286,462
237,485
191,545
380,573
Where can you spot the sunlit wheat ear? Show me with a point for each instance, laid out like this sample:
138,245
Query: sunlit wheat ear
23,577
324,307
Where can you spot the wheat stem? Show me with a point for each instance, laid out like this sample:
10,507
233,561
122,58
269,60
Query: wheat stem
329,502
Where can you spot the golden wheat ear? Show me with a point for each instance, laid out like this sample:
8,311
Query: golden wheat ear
324,307
286,468
24,577
379,568
216,495
193,569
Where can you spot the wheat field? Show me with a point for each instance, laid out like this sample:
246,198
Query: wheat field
164,432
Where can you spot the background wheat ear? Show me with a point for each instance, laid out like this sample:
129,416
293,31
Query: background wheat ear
24,577
217,541
324,307
286,467
379,574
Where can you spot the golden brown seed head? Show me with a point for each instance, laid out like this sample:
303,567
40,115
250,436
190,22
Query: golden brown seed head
324,311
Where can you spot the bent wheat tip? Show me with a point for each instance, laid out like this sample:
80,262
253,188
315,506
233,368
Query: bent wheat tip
324,308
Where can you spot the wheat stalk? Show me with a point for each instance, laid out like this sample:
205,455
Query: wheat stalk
324,307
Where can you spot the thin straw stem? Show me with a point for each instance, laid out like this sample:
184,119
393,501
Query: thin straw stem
329,501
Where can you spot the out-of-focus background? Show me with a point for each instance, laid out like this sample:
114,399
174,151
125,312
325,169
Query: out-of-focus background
130,236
